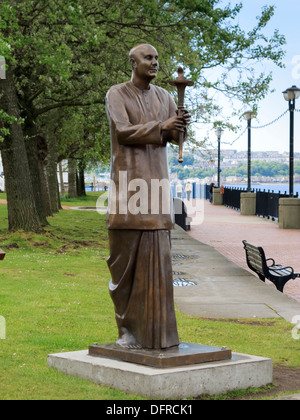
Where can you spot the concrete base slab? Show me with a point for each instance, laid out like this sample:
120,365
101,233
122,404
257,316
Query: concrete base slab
241,372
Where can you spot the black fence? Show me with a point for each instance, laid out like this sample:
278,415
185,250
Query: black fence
232,197
267,202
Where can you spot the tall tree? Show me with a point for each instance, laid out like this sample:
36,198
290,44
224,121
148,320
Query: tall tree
64,54
22,212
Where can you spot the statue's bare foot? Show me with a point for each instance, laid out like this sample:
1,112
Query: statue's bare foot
127,340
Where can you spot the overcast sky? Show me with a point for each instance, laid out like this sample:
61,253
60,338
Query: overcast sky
276,136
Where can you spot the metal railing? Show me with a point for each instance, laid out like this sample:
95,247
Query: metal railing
267,203
232,197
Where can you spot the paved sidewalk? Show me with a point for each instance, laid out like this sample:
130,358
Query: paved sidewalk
223,287
224,229
215,262
293,397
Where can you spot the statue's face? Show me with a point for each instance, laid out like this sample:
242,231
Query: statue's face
145,63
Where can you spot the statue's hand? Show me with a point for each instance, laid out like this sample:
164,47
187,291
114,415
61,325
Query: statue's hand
174,123
186,116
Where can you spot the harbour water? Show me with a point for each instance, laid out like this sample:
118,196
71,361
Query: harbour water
198,189
282,188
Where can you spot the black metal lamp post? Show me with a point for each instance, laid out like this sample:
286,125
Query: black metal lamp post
291,95
248,117
219,132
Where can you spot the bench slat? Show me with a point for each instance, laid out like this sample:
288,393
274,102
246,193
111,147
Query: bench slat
253,254
252,247
280,273
254,259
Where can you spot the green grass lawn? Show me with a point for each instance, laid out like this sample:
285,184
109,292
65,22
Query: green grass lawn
90,200
54,298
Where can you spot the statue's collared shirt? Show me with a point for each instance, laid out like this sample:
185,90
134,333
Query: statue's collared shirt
139,196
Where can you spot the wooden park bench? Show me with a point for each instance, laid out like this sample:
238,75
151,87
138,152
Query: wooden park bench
266,268
180,212
2,255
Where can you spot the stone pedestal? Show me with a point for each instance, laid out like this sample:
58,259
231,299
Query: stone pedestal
289,213
240,372
248,204
217,197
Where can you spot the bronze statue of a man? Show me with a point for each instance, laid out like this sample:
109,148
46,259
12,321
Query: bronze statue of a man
143,119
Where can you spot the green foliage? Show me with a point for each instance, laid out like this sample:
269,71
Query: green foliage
188,160
6,121
259,168
67,54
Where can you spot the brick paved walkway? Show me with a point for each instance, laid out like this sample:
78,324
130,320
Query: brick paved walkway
224,229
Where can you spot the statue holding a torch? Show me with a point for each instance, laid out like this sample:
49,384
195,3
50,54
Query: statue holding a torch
143,119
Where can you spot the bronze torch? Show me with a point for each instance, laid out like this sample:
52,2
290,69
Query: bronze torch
181,83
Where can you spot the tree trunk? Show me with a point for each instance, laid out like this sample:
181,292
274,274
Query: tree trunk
72,164
45,189
32,156
52,173
22,212
42,158
61,178
58,195
81,183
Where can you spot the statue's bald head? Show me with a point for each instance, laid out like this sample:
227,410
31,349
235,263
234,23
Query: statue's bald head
144,64
138,48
